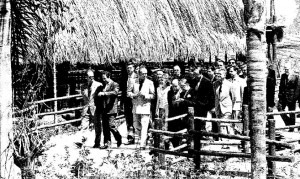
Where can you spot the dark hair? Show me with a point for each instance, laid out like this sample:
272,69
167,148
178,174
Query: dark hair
106,73
211,67
235,68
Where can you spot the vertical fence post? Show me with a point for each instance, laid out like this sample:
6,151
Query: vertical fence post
195,142
158,138
246,144
272,150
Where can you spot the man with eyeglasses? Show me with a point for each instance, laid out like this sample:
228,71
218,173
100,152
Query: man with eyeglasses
141,92
231,62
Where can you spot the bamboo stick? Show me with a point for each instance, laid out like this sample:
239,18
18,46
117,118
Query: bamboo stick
176,117
287,127
218,120
56,99
246,138
183,146
272,149
54,125
171,152
246,131
242,155
168,133
60,112
282,112
219,142
218,153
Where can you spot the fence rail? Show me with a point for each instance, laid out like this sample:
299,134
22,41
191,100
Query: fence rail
193,140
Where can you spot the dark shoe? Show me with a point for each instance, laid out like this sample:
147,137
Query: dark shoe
119,141
129,142
105,146
96,146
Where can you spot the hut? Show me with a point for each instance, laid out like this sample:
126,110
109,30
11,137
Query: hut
80,34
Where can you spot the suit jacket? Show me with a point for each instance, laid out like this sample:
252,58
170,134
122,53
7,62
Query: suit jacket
288,87
270,88
187,101
226,100
203,97
173,96
141,104
88,99
108,103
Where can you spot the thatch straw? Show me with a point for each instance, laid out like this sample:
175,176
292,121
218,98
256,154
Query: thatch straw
154,30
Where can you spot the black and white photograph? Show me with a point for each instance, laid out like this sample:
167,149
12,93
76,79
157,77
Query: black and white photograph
150,89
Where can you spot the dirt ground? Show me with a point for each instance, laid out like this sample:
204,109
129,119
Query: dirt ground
55,158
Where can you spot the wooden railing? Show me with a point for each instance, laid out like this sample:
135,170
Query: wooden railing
192,148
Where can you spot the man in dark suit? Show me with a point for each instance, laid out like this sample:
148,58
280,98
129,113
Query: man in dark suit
271,84
129,78
106,104
287,95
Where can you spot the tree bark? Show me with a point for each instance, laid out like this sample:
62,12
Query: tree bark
6,162
257,73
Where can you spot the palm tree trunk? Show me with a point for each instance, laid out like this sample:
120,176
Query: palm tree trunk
6,162
257,73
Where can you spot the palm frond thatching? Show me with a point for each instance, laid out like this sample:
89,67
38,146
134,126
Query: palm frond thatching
96,31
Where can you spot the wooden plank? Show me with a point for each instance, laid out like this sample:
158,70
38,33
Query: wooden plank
218,120
56,99
61,111
176,117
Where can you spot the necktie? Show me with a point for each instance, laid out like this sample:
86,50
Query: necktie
220,89
141,84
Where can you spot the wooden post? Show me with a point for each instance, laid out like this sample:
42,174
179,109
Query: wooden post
196,143
158,139
246,144
55,88
272,150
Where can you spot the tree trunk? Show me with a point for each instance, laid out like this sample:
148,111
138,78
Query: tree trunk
6,162
257,73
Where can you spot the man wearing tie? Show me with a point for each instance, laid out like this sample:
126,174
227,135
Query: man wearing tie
141,92
227,100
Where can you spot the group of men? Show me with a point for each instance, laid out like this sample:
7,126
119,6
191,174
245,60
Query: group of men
217,90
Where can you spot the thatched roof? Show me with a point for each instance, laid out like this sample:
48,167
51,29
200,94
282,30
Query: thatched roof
99,31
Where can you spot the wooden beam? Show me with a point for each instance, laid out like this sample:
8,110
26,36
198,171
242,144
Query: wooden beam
56,99
246,138
218,120
242,155
60,112
175,118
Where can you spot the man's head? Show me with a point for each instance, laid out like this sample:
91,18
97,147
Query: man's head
220,64
244,69
130,68
232,71
287,69
143,72
90,76
176,70
231,62
184,84
159,74
175,85
210,71
105,77
220,73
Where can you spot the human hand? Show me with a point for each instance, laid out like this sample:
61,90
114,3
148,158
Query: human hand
101,94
